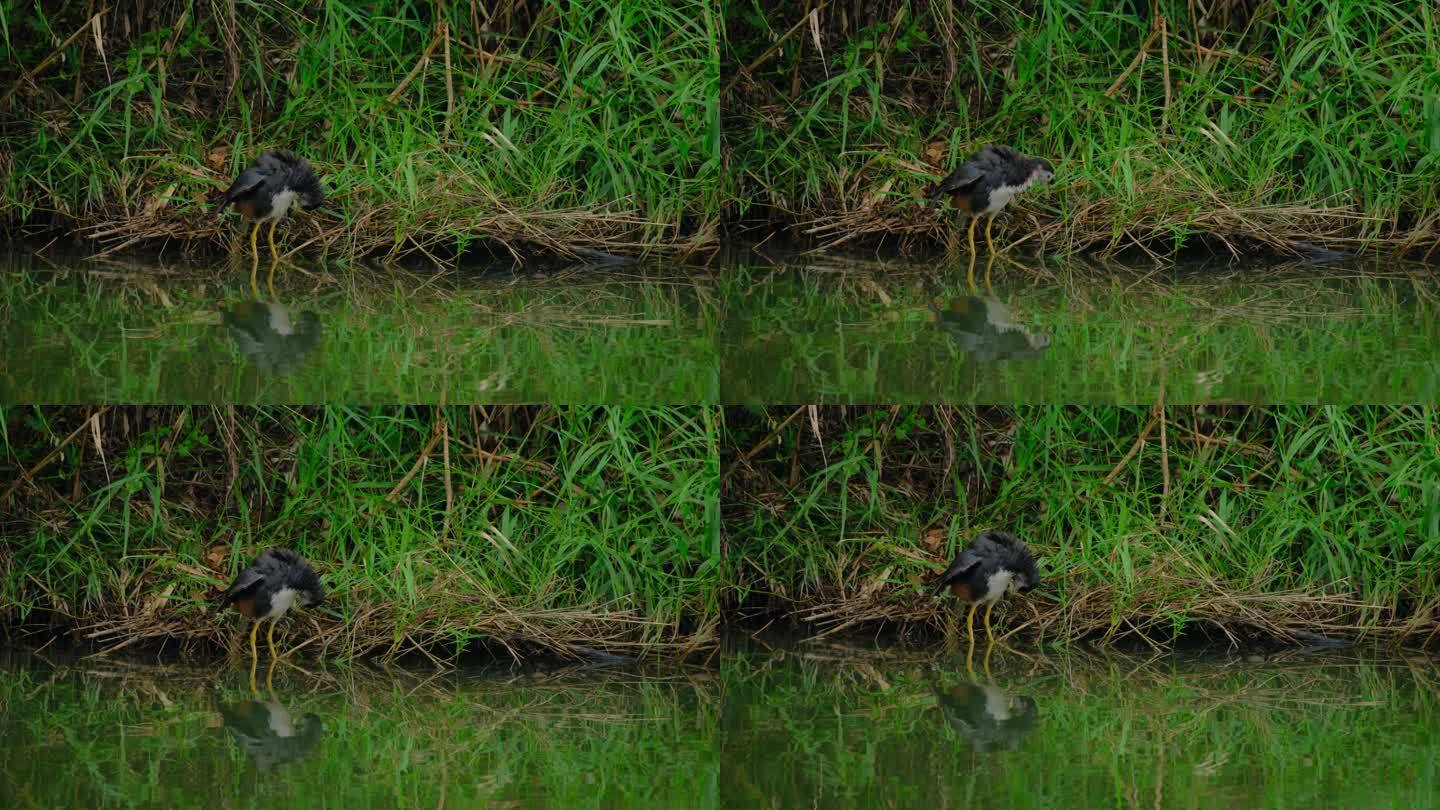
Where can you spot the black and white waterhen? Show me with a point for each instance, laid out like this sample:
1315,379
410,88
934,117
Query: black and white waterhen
269,733
986,329
267,588
265,192
986,182
986,715
994,564
271,335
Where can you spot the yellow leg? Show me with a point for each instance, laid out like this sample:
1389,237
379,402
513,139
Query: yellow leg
989,648
970,275
254,259
270,638
989,634
254,656
989,264
274,260
270,677
970,623
989,245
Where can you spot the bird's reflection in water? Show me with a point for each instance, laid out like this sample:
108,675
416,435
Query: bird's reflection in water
985,328
268,733
986,715
273,337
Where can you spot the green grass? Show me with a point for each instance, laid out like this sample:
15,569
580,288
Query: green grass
81,338
863,332
124,734
561,125
1236,518
523,526
1314,120
843,727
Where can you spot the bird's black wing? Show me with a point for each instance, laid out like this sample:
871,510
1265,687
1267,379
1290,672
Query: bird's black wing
966,560
247,181
962,178
247,579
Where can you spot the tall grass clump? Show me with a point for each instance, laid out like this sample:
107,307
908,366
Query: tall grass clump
538,125
517,527
1145,521
1168,123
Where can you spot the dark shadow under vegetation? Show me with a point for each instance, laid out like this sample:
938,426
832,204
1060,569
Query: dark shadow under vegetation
1160,524
519,528
1232,123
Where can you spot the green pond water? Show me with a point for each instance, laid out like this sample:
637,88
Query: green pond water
88,732
744,331
1080,331
780,724
80,331
836,725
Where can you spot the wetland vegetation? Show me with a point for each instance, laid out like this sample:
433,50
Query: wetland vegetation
1230,123
515,528
1156,522
542,127
537,126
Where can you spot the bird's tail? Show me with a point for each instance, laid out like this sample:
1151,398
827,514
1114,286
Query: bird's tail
220,206
939,586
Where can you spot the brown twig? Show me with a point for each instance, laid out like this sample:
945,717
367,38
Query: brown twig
415,71
773,49
763,442
1134,448
415,468
1165,72
1134,63
29,75
59,449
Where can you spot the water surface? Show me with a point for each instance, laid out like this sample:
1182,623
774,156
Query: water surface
747,331
826,329
88,331
834,725
83,732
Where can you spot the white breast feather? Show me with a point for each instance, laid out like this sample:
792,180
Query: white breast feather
1001,196
997,585
280,320
284,598
280,204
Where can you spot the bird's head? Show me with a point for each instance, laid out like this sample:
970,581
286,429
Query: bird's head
1042,171
313,595
311,199
308,192
1027,578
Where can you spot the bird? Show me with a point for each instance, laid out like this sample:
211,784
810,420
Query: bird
267,588
994,563
268,733
986,182
986,329
267,333
986,715
264,193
